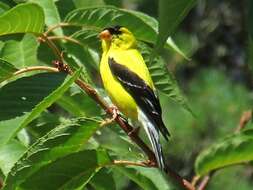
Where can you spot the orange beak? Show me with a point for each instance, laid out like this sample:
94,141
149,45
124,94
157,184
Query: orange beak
105,35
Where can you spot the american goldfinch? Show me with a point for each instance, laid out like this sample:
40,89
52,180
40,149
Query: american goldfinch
129,85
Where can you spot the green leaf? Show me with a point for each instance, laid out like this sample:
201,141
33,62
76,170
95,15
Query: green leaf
52,16
159,179
81,56
40,101
3,7
235,149
143,26
64,174
21,53
6,127
142,181
79,104
103,180
126,150
24,18
88,38
53,149
164,80
49,100
171,13
9,155
29,91
88,3
6,70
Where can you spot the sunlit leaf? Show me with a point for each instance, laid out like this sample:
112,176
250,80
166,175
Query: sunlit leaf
24,18
9,155
52,16
235,149
21,53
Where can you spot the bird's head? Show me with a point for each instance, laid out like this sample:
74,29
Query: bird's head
117,37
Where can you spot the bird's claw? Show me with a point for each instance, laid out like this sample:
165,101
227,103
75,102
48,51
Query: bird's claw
107,121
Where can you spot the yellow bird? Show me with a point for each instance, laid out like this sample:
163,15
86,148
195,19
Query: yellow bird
128,83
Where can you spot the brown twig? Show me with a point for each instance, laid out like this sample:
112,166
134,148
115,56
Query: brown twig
245,118
204,182
35,68
121,122
67,38
130,163
50,29
1,183
195,180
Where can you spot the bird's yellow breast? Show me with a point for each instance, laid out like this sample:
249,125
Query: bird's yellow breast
133,60
119,96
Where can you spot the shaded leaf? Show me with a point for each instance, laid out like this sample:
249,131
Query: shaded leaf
65,175
24,18
103,180
3,7
159,179
50,151
235,149
6,70
29,91
49,100
142,181
97,18
171,13
126,150
164,80
250,47
21,53
79,104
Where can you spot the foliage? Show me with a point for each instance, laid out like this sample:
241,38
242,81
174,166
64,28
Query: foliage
50,128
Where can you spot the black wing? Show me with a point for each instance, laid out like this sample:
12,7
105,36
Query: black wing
142,93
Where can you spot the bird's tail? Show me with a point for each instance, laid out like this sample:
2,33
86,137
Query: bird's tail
153,136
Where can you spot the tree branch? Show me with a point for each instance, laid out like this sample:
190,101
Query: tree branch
121,122
52,28
204,182
67,38
245,118
131,163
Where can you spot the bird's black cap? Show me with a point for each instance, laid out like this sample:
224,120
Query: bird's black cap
114,29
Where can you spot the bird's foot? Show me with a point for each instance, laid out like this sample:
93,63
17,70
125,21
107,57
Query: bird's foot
134,132
115,112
